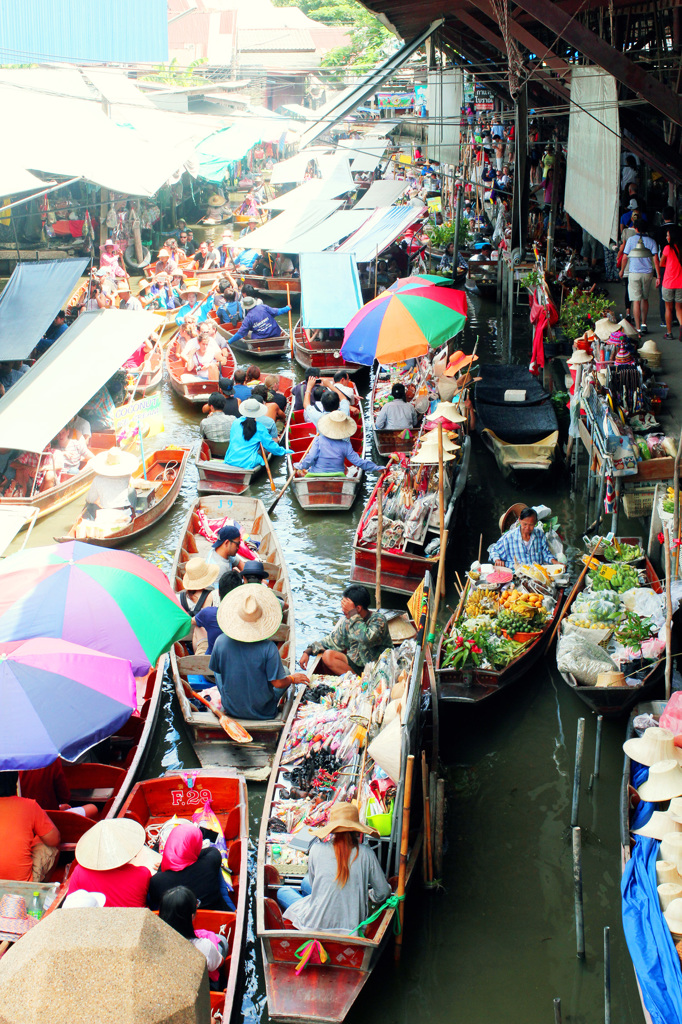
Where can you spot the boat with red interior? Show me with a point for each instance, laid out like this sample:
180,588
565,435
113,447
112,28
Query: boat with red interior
313,348
186,385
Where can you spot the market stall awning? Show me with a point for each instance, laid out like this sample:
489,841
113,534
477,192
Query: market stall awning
322,306
330,113
278,233
222,148
336,167
69,374
382,228
290,170
15,179
329,232
381,193
12,519
305,193
30,301
364,154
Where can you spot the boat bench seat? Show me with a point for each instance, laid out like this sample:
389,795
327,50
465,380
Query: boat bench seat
274,920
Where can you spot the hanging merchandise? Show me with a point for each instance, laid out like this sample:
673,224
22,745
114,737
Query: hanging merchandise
111,218
610,496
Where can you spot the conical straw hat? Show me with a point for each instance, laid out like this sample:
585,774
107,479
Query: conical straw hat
666,871
664,782
671,849
675,809
431,441
667,892
446,411
337,425
114,462
673,917
655,745
110,844
659,824
250,613
429,455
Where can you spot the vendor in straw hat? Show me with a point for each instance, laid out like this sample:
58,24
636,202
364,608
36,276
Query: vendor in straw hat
357,638
524,542
112,487
126,300
342,875
113,860
248,669
331,447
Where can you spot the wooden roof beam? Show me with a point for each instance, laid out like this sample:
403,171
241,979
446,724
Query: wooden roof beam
607,57
529,41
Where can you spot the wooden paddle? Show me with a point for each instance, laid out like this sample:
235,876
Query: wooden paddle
233,729
267,468
283,489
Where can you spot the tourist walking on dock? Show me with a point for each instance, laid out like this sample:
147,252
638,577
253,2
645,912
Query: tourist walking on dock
641,274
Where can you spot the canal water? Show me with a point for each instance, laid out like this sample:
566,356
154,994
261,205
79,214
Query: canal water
495,944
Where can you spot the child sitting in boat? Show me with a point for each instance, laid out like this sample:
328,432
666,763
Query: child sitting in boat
178,909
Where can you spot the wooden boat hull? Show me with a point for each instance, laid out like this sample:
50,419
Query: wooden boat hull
263,348
157,800
326,359
212,747
323,493
388,441
194,392
156,466
473,687
146,382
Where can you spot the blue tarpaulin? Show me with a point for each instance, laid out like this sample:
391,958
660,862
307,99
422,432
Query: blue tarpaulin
30,301
651,945
330,289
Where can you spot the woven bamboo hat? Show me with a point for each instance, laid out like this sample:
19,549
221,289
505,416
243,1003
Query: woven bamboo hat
114,462
671,849
216,200
199,574
446,411
250,613
673,917
675,809
664,782
428,455
659,824
655,745
667,892
579,356
431,441
343,817
337,425
110,844
193,291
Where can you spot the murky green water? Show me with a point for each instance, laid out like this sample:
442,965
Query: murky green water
496,944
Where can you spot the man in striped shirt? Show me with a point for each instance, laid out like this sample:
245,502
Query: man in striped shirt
523,543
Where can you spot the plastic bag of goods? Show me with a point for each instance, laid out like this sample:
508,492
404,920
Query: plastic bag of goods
672,717
647,603
582,658
602,606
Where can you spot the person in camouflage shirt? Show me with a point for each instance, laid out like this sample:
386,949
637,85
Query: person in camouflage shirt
357,638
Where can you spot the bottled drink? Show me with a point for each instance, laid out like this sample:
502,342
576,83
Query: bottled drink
35,906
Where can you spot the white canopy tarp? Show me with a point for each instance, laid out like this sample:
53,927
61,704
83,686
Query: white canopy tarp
15,179
12,519
445,94
365,154
290,170
381,193
379,230
593,156
336,167
329,232
68,375
322,306
305,193
278,233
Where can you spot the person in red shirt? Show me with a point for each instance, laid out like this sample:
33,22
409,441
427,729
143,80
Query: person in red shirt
49,787
671,286
111,858
29,839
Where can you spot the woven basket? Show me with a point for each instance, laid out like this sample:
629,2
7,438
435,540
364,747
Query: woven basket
639,503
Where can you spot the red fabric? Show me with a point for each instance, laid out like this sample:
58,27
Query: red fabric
68,227
47,786
541,317
126,886
21,822
182,848
203,933
672,278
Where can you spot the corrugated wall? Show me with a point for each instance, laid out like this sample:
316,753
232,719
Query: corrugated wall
123,31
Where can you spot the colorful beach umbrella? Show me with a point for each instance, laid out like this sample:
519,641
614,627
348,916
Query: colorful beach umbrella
418,281
111,601
58,699
403,324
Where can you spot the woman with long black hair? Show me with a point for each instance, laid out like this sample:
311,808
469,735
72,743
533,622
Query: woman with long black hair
178,909
671,286
248,434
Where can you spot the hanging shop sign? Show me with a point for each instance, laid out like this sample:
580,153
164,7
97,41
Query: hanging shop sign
396,100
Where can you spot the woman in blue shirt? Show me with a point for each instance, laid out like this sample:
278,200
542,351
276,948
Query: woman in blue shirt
233,311
248,434
332,447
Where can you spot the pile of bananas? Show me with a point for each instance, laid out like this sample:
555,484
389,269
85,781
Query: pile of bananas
481,602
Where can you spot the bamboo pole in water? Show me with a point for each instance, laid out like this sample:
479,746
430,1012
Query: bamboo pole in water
404,842
427,852
668,614
380,532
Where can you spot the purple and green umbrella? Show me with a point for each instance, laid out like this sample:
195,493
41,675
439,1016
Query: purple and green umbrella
110,601
404,323
58,699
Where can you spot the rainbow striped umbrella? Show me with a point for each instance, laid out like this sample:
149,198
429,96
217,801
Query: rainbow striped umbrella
403,324
110,601
418,281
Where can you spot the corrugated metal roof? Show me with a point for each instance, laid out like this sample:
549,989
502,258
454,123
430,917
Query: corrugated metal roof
255,40
124,32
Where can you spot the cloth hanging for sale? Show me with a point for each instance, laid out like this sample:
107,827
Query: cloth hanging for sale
541,316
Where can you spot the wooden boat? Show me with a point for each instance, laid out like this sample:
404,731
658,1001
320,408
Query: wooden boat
389,441
212,747
148,377
481,278
612,701
156,488
273,290
472,686
216,476
192,389
401,572
265,348
324,994
156,801
523,434
323,493
629,800
323,356
54,498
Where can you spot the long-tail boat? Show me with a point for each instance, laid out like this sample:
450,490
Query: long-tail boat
612,701
324,993
265,348
217,477
323,493
148,377
181,794
402,568
389,441
324,356
211,745
188,387
156,485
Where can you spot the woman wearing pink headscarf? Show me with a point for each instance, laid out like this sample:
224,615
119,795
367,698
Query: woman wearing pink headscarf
186,862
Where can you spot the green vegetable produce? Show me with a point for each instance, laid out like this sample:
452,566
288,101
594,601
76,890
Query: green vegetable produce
634,629
627,553
624,578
